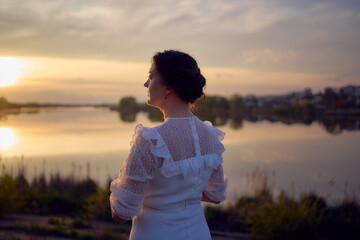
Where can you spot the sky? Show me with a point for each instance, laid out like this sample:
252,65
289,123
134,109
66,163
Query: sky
90,51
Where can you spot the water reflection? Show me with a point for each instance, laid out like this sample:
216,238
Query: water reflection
7,138
98,139
127,116
331,124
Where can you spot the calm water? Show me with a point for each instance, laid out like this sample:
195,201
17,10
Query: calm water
86,141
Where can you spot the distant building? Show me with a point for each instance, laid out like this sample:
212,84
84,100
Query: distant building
341,98
357,96
316,101
307,93
251,101
350,94
275,101
305,97
348,90
330,96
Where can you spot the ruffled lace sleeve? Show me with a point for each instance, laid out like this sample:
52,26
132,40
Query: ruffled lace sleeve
216,187
128,190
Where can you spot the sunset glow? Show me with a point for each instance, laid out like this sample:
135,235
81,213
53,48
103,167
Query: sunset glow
10,70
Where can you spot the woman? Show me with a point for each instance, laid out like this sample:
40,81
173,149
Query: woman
171,168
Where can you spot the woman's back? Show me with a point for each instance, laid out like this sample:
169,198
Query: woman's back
188,151
170,168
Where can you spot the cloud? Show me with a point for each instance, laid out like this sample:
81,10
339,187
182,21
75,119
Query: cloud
310,37
109,28
268,55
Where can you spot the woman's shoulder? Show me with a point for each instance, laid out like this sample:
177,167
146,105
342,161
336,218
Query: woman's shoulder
148,134
219,134
145,132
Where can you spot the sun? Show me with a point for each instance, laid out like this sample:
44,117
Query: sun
10,70
7,138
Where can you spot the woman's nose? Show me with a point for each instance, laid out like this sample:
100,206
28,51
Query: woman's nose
146,84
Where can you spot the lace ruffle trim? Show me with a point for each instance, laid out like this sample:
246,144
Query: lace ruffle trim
190,166
219,135
183,167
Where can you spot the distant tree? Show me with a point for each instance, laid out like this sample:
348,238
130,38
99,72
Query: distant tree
237,102
154,114
3,103
128,103
216,102
215,109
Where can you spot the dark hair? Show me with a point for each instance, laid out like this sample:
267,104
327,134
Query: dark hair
180,72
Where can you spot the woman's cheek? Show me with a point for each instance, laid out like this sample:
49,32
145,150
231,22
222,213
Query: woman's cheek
151,96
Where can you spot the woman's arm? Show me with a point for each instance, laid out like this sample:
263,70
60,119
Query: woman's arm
128,190
215,191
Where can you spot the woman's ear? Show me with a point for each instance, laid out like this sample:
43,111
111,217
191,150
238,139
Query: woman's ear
168,91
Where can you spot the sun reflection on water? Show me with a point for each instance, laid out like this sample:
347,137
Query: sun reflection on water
7,138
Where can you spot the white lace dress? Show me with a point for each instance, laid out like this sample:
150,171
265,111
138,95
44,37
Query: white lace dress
161,182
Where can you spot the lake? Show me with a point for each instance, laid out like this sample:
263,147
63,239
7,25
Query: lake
93,142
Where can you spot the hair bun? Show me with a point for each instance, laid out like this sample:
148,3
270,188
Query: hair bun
180,72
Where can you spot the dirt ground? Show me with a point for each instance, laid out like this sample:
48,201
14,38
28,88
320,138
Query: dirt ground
31,227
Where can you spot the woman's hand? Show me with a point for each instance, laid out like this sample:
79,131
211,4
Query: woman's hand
206,199
116,218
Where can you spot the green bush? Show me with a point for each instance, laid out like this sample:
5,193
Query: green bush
343,221
57,203
98,205
217,218
11,198
285,218
54,221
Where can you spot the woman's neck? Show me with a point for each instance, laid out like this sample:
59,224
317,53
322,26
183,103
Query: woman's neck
176,109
